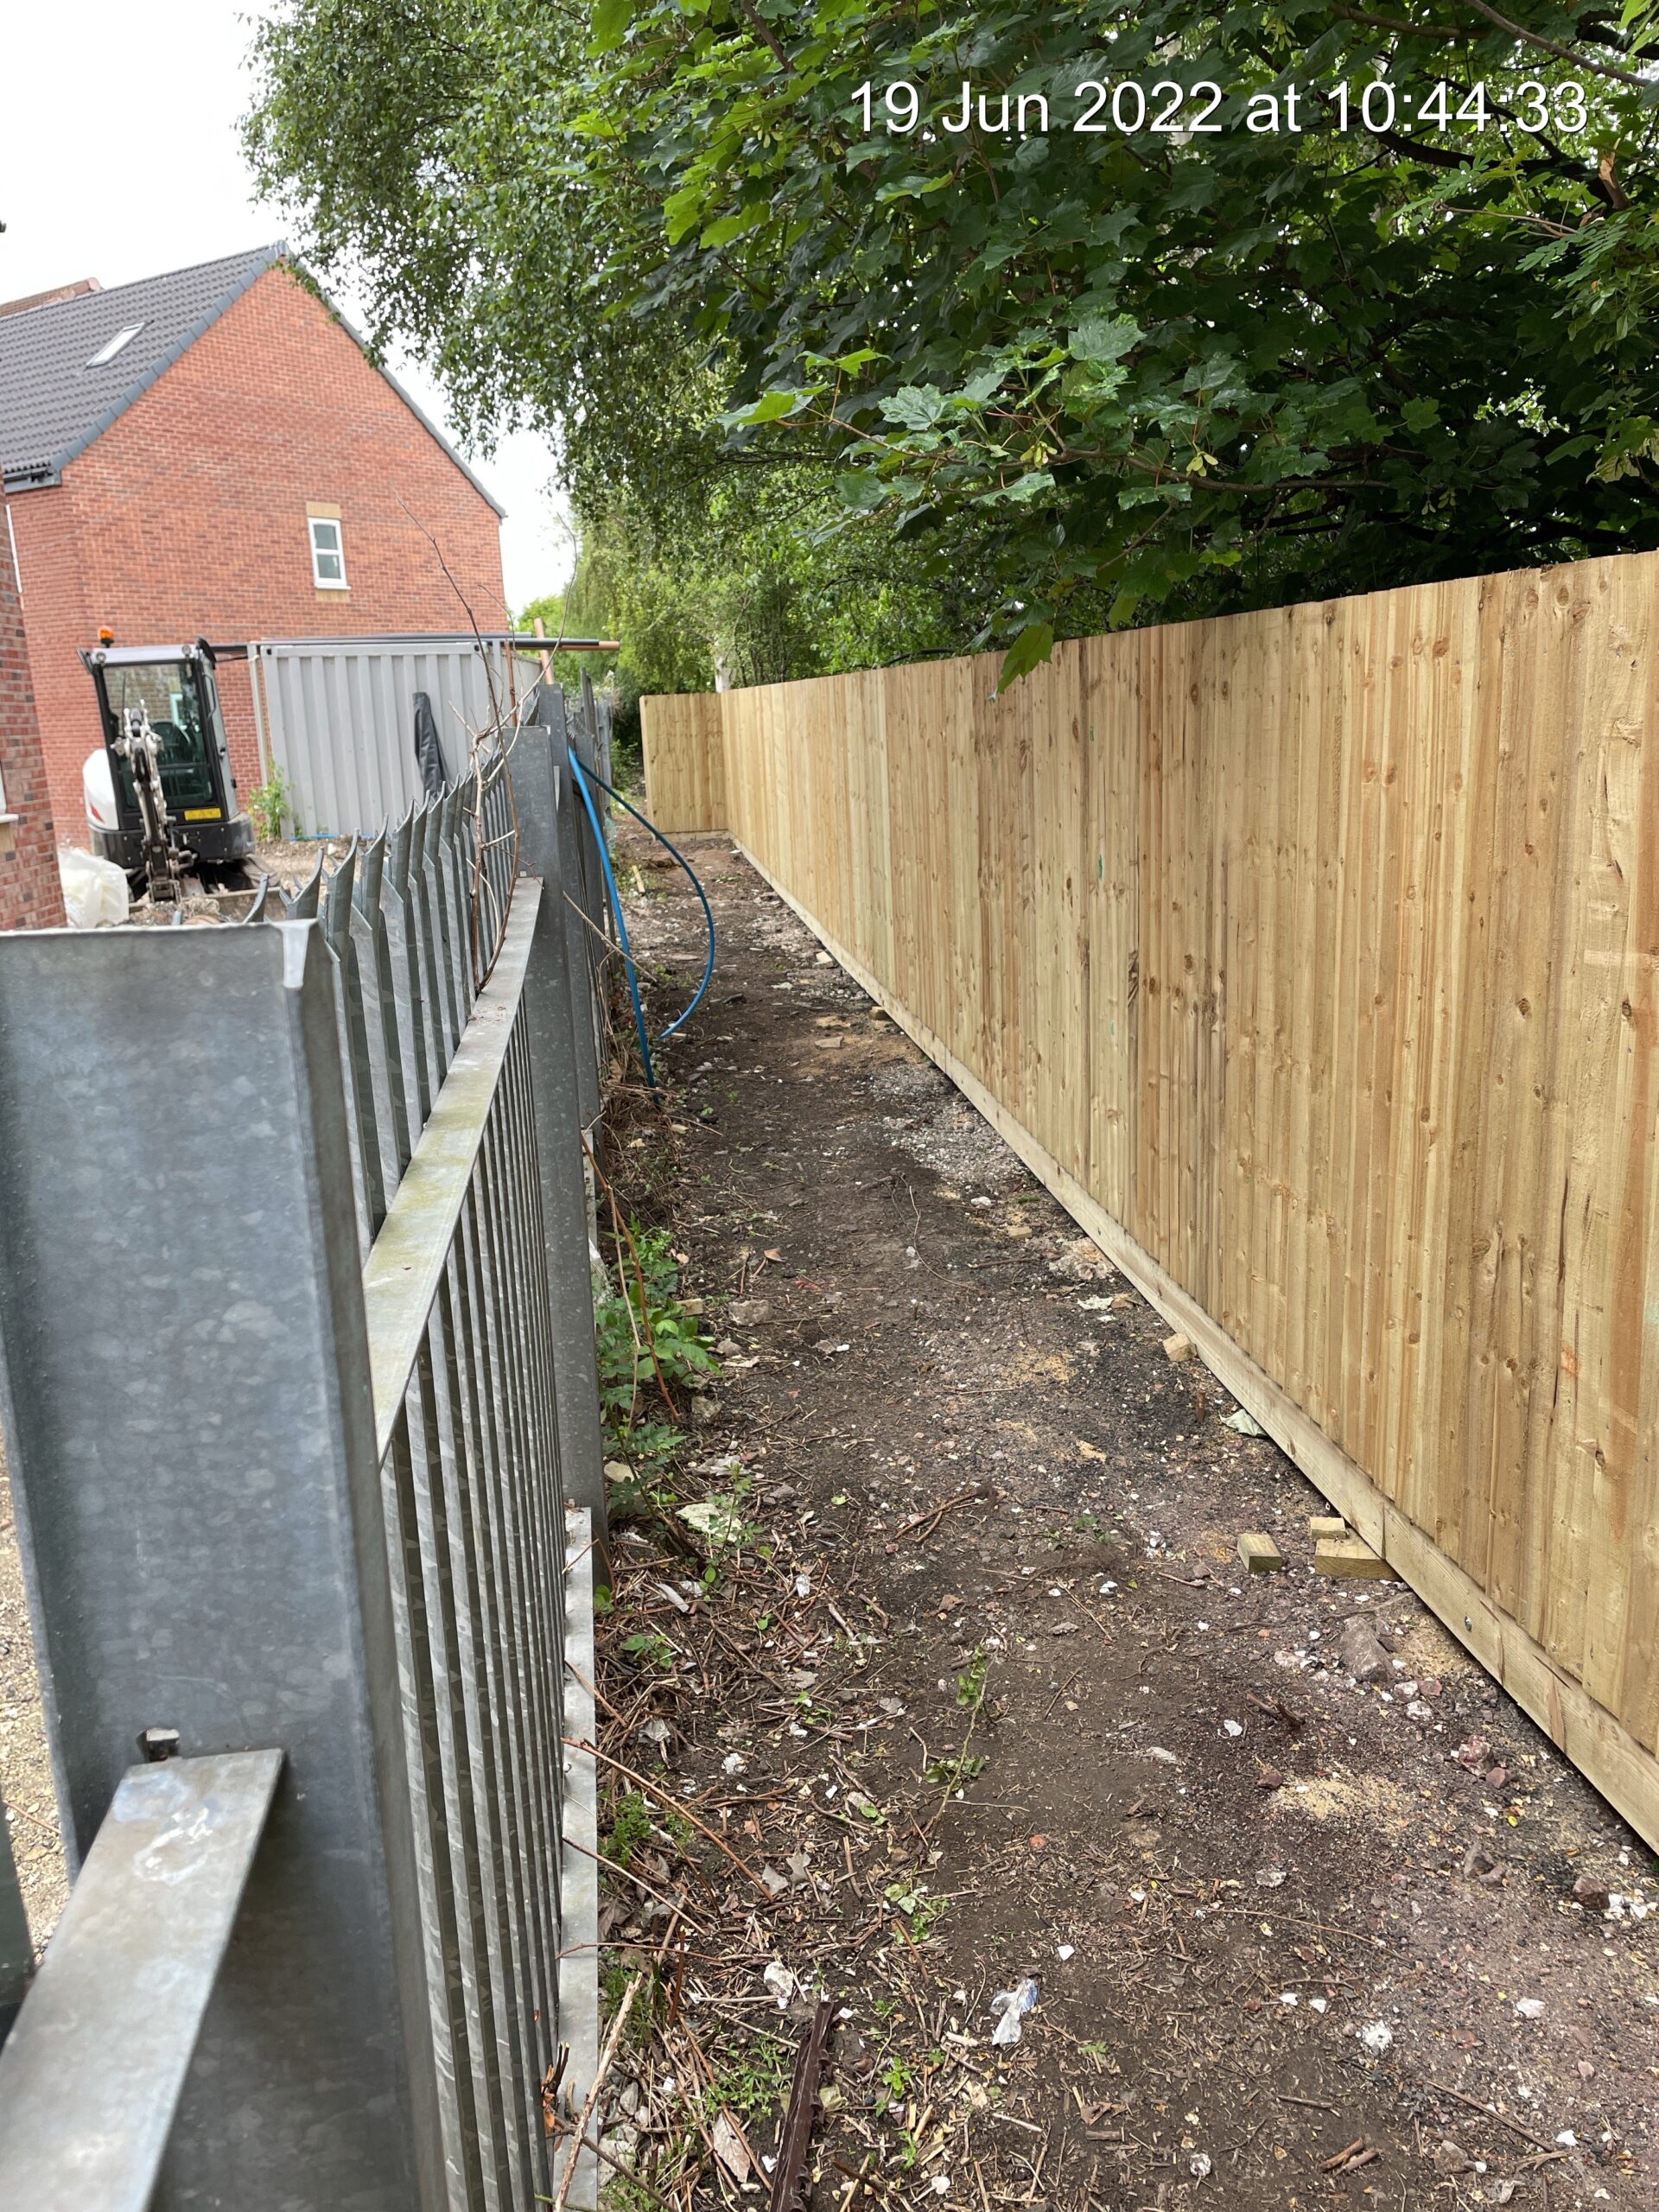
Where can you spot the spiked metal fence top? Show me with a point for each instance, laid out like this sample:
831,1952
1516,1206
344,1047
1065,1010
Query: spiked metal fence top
361,1546
414,920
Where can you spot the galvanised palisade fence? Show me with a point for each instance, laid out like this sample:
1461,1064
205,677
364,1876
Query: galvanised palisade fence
297,1367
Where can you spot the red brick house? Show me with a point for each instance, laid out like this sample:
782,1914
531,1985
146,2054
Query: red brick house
212,454
29,895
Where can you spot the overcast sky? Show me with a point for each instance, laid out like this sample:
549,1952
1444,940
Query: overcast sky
118,159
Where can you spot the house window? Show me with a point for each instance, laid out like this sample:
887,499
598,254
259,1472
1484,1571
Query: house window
328,554
118,343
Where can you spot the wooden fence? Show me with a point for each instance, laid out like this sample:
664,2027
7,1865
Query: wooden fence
685,762
1312,958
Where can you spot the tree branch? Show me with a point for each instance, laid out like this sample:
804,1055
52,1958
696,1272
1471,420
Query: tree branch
1405,31
1564,52
765,34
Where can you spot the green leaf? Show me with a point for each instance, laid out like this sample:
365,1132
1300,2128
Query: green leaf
1421,414
1103,337
858,489
773,405
918,407
732,226
611,21
1034,646
681,211
983,386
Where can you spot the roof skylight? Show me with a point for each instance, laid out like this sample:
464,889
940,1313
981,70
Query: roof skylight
118,343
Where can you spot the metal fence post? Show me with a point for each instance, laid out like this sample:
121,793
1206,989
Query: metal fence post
185,1384
556,1002
582,911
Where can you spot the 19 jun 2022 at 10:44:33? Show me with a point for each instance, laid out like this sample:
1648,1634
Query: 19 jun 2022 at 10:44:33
1125,107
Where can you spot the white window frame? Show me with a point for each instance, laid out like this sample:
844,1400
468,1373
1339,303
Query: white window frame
320,553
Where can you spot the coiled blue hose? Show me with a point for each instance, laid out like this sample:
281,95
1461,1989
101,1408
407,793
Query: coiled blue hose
582,776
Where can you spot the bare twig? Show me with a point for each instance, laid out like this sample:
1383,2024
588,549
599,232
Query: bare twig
568,2177
675,1807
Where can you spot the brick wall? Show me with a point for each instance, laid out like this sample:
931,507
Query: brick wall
188,518
29,895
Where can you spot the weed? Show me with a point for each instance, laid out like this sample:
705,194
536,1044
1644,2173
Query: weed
648,1649
951,1774
272,803
719,1518
646,1340
894,2080
754,2084
970,1683
630,1829
922,1913
621,2193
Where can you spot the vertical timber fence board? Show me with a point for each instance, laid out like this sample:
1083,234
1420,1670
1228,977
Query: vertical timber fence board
685,765
1312,957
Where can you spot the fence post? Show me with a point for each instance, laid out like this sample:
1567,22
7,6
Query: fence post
581,896
185,1385
557,1000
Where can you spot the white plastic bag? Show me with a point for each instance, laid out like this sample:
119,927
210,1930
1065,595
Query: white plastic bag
94,891
1009,2007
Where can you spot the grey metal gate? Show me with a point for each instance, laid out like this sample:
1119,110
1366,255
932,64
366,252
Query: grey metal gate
296,1369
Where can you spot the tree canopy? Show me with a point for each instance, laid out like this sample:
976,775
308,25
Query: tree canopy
1176,361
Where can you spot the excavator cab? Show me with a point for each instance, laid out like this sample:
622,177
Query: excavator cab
163,785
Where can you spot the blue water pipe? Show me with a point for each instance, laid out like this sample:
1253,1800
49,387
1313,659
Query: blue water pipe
685,1015
582,776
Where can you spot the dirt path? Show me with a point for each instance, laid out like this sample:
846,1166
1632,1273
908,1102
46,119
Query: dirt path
1289,1950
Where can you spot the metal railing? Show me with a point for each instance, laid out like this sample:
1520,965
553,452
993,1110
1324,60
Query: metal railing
296,1363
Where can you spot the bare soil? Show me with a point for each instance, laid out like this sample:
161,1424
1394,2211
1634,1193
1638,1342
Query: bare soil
1289,1949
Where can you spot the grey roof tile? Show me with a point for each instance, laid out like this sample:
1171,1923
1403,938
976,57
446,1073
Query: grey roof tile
53,403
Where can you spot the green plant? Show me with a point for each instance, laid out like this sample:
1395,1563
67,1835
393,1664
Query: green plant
950,1774
970,1683
272,803
630,1832
755,2082
645,1332
922,1913
640,1488
894,2080
720,1519
647,1649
